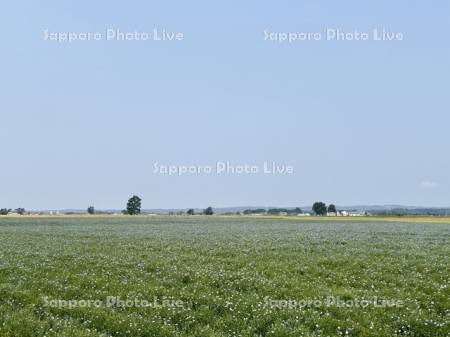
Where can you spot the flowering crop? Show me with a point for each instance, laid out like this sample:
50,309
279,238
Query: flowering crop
223,271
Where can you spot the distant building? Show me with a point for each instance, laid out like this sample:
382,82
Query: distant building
357,214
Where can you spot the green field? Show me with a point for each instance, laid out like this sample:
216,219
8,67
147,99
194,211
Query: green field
228,277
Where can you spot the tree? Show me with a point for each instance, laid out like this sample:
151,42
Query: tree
5,211
332,209
319,208
190,211
254,211
273,211
20,211
296,210
208,211
91,210
133,205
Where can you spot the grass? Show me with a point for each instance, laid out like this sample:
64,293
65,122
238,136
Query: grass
224,270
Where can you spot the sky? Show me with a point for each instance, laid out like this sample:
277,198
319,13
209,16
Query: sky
361,122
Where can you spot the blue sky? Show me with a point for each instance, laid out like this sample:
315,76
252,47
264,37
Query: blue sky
362,122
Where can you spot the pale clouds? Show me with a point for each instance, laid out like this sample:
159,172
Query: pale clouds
429,184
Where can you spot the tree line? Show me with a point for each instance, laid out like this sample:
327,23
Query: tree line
6,211
319,208
134,205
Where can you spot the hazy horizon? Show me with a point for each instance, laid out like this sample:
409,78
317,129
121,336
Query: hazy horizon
238,207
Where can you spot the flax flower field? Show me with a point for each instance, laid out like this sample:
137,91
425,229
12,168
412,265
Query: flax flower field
223,276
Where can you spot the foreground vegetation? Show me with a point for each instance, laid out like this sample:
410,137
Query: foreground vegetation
224,271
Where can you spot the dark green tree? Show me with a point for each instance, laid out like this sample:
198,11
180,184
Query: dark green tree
91,210
20,211
190,211
208,211
5,211
296,210
319,208
255,211
332,209
133,205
